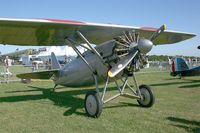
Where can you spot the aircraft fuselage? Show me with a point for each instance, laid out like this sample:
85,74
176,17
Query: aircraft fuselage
190,72
77,73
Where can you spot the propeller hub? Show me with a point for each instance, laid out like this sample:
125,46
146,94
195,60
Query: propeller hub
144,45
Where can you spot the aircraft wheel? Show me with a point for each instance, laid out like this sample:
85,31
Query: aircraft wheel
148,96
93,104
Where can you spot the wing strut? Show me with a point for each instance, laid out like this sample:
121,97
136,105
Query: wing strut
94,72
90,46
80,55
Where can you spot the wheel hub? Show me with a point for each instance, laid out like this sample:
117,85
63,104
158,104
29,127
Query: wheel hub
145,96
91,105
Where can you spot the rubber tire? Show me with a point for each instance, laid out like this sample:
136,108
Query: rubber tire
98,102
151,94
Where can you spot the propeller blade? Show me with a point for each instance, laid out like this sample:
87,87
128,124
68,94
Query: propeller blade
158,32
122,64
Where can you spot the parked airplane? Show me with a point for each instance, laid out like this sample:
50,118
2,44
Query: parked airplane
18,53
118,50
180,68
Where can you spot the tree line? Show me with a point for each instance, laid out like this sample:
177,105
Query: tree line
165,57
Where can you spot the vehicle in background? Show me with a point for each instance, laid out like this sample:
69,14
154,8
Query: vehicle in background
37,60
28,60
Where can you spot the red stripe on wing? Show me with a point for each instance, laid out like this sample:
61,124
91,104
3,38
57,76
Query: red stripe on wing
65,21
149,28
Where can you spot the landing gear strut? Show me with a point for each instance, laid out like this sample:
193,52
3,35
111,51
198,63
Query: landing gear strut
93,100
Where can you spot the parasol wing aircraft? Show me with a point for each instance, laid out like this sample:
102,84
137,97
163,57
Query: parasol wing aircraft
118,49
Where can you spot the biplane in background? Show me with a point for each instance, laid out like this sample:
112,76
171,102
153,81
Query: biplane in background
118,50
181,69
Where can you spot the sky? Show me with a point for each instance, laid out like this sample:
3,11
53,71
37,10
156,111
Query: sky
180,15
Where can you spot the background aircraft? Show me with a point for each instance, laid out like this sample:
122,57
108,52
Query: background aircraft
180,68
119,49
17,54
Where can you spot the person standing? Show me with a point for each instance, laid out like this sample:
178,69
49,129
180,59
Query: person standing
7,64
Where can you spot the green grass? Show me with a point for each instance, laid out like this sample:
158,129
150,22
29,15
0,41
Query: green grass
33,108
17,69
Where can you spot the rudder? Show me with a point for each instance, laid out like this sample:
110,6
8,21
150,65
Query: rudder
54,62
178,65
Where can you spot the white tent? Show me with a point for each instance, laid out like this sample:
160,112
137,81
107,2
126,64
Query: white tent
58,50
61,52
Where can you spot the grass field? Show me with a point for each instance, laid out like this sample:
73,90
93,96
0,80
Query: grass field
33,108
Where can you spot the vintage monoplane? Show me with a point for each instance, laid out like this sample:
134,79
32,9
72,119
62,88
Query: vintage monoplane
180,68
119,49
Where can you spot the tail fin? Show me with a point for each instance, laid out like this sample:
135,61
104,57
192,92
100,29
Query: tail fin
54,62
178,65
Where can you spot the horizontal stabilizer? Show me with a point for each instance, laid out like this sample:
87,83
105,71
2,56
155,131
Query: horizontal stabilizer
38,75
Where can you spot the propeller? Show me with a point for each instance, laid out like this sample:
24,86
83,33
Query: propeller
129,45
122,64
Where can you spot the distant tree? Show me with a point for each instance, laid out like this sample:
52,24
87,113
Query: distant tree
165,57
158,57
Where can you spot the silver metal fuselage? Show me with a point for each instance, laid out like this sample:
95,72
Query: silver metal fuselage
76,73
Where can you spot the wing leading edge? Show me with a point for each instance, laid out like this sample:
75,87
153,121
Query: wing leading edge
49,32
